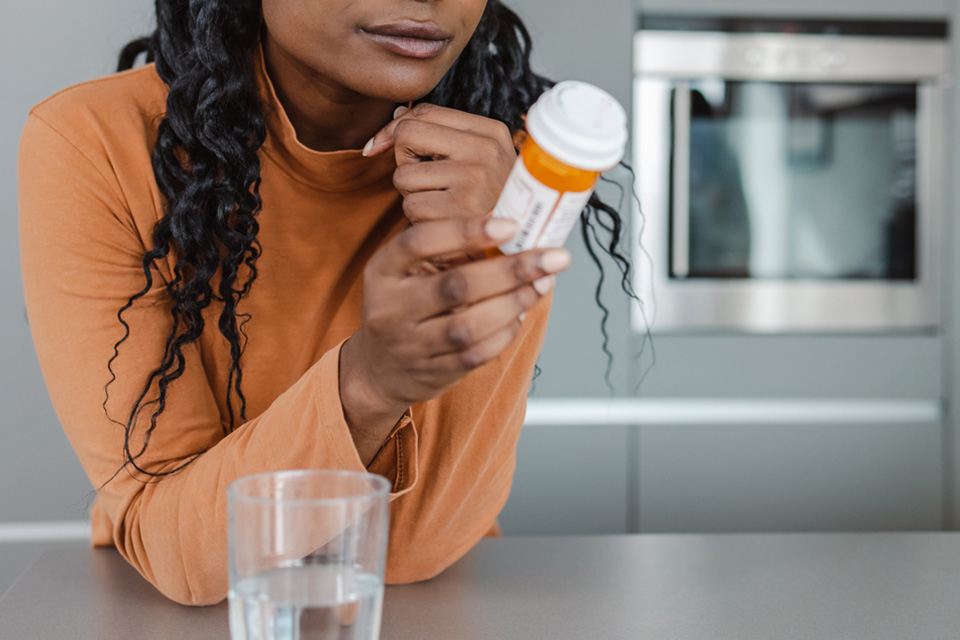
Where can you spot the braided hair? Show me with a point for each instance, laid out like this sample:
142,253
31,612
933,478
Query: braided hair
207,166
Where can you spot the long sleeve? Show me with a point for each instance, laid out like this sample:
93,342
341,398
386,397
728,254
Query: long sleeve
81,261
88,205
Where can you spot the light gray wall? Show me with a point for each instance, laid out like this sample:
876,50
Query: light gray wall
46,46
584,42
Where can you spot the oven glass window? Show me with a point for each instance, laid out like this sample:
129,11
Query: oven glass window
805,181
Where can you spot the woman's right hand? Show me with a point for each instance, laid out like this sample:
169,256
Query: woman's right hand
422,332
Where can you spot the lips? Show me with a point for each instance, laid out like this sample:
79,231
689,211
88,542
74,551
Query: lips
409,38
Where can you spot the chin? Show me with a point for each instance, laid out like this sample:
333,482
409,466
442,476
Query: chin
402,88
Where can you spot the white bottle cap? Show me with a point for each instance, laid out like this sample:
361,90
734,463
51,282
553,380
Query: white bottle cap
580,125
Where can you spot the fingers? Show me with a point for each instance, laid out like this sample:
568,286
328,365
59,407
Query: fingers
414,141
464,330
436,238
450,189
471,283
418,140
435,190
446,118
471,157
477,354
439,205
426,176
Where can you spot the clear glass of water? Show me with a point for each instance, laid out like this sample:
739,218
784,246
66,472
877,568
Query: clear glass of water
307,555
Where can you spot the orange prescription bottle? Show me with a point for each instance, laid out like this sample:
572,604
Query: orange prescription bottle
575,131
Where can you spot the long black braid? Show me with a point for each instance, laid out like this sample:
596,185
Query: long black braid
207,166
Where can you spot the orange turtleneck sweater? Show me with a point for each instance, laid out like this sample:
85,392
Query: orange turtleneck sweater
88,206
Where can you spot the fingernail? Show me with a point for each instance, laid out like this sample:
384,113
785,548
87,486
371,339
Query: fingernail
500,228
523,316
555,260
399,111
543,285
368,147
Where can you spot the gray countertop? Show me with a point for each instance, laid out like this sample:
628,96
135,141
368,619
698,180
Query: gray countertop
15,558
785,586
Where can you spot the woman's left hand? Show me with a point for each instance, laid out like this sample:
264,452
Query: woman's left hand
450,164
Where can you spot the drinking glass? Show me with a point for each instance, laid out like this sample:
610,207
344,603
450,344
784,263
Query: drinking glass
307,554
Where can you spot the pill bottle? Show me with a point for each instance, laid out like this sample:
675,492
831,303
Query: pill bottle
575,131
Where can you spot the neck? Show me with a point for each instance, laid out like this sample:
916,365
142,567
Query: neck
326,118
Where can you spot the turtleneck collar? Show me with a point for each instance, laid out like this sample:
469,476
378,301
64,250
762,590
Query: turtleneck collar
332,171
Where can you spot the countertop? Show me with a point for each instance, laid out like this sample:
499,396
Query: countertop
736,586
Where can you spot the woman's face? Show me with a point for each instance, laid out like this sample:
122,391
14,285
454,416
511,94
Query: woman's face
395,50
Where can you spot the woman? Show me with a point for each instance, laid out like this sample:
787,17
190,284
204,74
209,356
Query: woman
251,194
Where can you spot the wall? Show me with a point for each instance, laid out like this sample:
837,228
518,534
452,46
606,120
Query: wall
47,46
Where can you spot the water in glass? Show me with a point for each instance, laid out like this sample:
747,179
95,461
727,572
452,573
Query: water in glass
307,602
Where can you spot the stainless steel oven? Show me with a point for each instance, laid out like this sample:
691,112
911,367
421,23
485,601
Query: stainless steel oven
789,174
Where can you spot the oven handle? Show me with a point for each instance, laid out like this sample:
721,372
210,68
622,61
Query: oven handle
680,216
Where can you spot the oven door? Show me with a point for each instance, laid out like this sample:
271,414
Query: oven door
788,202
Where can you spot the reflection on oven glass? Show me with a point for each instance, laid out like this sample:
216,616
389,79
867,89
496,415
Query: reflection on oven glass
812,181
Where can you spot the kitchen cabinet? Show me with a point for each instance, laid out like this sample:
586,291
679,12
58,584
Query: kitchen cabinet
700,478
822,477
570,481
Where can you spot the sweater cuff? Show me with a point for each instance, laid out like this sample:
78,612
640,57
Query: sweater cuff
396,460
